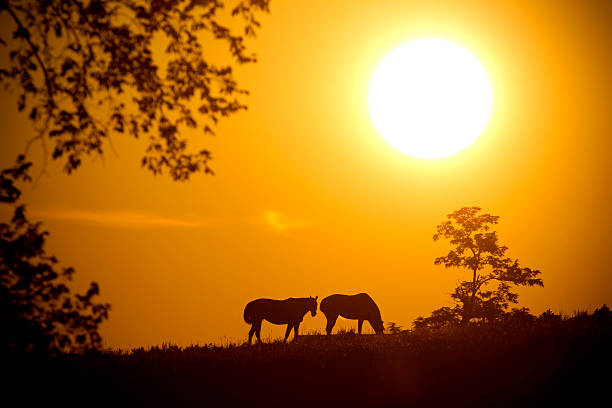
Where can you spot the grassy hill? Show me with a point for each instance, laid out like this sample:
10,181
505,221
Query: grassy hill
539,363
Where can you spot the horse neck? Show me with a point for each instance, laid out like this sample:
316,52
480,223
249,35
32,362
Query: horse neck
304,304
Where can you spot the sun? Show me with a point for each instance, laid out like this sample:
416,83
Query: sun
430,98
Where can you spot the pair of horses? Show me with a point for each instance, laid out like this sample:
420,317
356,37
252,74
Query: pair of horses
291,312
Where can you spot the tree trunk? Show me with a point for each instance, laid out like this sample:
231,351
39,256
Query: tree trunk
468,307
466,315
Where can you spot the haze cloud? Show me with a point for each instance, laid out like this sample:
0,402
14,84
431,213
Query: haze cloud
126,219
280,222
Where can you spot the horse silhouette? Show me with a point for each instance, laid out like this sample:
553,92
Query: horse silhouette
289,311
360,307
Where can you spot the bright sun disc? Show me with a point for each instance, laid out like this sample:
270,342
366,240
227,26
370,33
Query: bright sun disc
430,98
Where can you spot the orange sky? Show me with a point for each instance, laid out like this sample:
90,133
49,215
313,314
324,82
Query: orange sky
308,199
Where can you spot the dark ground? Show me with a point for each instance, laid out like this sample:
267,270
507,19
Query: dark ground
546,364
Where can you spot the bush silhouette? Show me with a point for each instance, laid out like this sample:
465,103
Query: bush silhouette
38,312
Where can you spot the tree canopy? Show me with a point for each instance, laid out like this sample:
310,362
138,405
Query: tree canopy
84,70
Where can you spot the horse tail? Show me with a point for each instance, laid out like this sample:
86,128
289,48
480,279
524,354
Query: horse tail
247,315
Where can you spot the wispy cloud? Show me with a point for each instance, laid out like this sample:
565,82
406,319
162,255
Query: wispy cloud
280,222
125,219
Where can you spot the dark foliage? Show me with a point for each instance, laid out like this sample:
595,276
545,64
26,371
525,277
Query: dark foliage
443,317
506,364
38,312
84,70
451,317
393,328
9,193
476,247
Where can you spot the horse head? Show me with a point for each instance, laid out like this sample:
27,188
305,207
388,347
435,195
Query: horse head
379,327
312,305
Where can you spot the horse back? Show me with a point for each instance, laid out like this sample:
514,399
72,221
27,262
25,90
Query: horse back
360,306
274,311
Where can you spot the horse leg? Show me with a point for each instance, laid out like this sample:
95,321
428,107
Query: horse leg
359,325
257,326
289,327
331,321
251,332
296,328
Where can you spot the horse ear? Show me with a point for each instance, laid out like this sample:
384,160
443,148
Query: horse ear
316,297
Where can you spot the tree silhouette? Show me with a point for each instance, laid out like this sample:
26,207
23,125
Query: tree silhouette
476,247
87,69
84,71
38,312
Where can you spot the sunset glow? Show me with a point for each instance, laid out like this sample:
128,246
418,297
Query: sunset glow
367,123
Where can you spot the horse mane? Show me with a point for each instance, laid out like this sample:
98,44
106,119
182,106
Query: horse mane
304,299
